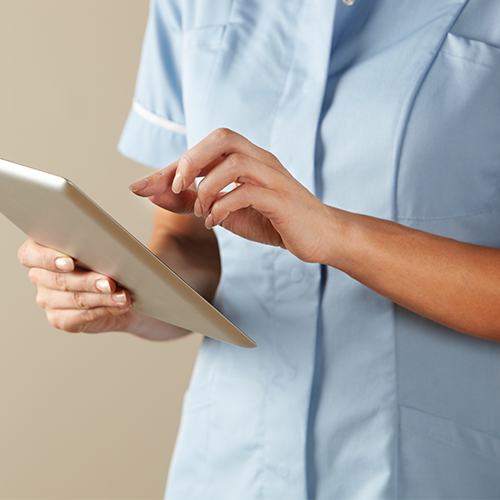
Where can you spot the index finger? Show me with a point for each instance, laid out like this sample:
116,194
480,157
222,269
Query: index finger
161,181
199,161
220,143
32,254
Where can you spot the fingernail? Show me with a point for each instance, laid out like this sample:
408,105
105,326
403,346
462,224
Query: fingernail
197,208
138,186
64,264
177,183
103,286
120,297
209,222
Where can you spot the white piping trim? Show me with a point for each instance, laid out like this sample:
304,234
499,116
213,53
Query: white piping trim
158,120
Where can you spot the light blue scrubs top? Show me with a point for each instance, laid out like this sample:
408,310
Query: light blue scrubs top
389,108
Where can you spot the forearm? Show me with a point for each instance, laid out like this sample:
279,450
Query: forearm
152,329
453,283
183,243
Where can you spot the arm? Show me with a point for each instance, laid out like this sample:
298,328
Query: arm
184,244
450,282
453,283
79,301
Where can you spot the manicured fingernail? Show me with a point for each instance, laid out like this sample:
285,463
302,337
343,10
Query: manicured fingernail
103,286
209,222
177,183
138,186
120,297
197,208
64,264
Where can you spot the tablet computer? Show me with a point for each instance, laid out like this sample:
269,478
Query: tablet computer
52,211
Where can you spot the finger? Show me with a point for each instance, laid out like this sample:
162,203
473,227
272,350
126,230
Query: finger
155,183
32,254
220,143
263,200
77,281
239,169
75,321
55,299
289,204
181,203
161,183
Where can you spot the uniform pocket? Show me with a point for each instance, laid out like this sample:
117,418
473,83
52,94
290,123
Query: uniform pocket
450,156
440,458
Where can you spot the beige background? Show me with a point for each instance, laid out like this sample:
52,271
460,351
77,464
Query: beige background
81,416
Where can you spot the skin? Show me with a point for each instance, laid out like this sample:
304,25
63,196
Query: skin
453,283
78,301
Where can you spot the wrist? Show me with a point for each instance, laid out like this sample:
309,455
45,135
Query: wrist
153,329
337,239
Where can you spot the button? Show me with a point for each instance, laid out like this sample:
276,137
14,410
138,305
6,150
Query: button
348,2
283,470
290,373
297,275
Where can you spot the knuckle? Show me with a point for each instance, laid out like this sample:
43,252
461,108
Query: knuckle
22,254
71,327
64,322
87,282
79,300
55,320
234,160
115,311
41,300
272,159
34,276
218,212
202,189
61,282
160,174
187,159
45,261
222,135
87,316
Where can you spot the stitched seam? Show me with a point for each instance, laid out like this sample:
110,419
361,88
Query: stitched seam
418,87
474,61
292,62
218,55
397,166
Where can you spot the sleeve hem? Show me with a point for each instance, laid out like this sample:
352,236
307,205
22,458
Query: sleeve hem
159,121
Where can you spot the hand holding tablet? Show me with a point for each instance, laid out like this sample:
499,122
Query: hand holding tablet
56,214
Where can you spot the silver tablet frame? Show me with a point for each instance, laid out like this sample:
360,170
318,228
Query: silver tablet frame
55,213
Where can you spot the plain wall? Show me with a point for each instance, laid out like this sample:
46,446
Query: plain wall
81,416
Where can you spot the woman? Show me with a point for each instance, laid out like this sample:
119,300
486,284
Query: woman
367,270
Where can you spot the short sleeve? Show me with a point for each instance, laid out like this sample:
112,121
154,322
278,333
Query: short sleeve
155,132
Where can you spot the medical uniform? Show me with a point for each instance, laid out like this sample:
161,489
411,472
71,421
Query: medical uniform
389,108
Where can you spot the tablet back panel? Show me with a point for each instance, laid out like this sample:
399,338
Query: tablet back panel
55,213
